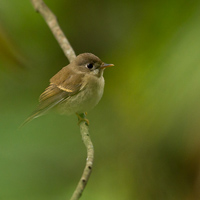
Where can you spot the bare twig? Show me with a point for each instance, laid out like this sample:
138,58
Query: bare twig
51,20
89,162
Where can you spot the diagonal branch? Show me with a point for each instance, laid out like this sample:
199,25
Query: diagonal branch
51,20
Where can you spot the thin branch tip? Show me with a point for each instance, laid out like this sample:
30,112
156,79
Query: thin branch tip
52,22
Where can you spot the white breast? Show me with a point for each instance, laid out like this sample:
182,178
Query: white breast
86,99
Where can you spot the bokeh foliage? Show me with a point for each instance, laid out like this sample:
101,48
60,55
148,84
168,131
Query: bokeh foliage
146,129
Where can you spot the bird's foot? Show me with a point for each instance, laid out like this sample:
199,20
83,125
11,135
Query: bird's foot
81,117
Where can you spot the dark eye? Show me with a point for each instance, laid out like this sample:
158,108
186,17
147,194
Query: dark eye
90,66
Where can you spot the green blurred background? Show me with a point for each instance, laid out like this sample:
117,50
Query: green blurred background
145,130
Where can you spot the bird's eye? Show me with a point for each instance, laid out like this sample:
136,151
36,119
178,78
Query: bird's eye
90,66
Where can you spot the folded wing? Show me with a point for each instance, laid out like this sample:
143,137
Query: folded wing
59,90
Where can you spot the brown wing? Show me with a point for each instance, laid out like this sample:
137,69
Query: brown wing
68,80
64,84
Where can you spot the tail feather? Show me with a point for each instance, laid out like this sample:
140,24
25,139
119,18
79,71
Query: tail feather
37,113
30,118
46,104
41,110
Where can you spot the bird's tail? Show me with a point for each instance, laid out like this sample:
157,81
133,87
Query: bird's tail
30,118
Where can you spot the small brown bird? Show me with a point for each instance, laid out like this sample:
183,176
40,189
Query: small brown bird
76,88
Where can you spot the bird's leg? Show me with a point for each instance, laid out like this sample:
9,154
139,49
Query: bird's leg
81,117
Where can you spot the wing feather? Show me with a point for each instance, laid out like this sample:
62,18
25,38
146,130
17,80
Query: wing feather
64,84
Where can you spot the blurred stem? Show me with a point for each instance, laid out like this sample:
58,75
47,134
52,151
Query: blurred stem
89,161
51,20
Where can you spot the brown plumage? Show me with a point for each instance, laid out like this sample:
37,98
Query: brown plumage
76,88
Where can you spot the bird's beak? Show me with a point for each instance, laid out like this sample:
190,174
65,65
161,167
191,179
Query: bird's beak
104,65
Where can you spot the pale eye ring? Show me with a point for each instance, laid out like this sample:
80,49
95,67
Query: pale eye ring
90,66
